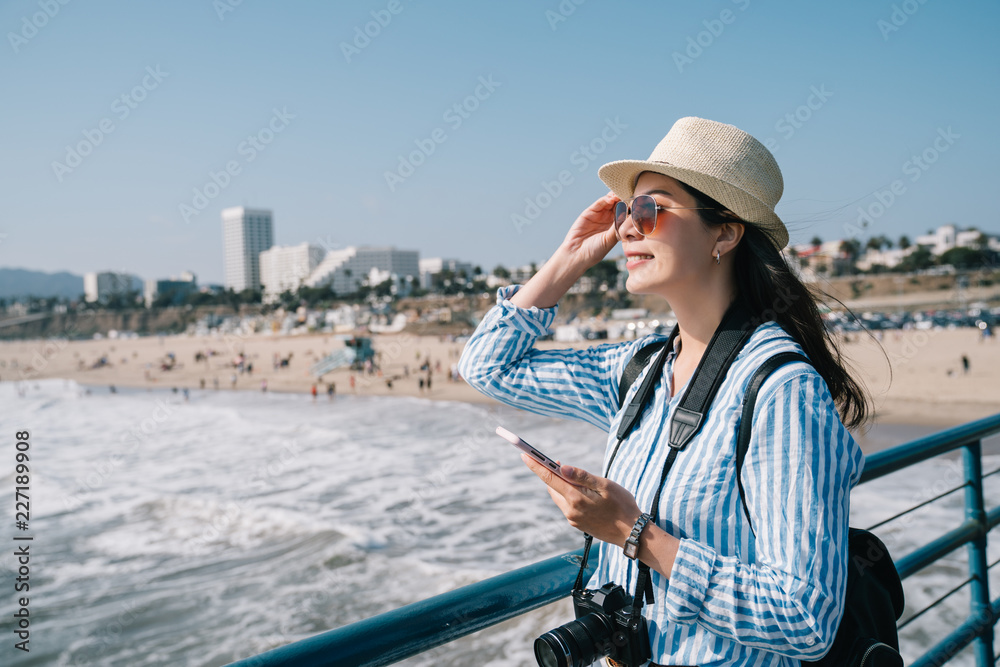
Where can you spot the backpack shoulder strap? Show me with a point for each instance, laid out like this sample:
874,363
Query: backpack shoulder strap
635,366
749,401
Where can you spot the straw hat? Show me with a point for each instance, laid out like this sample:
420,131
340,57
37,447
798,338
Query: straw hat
723,161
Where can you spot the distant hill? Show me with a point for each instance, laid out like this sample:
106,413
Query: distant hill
22,282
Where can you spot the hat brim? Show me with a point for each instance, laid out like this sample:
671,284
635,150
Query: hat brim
620,176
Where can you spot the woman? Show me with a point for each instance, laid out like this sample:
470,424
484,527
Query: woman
697,224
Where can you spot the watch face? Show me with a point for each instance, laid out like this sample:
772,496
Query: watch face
631,549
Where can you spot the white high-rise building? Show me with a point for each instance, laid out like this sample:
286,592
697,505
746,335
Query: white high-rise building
344,270
246,232
101,285
286,267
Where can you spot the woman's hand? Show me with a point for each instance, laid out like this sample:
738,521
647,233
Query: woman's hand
592,235
591,504
588,241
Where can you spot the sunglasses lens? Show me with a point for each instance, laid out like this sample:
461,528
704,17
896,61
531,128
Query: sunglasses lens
644,214
621,212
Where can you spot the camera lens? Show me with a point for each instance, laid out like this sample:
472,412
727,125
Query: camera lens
576,644
550,651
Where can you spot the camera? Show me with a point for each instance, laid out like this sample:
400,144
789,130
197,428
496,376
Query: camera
606,626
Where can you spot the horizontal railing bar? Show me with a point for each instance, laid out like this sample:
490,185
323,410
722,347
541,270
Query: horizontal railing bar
990,473
916,507
932,551
959,638
933,604
890,460
421,626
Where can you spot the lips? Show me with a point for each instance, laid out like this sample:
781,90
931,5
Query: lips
634,259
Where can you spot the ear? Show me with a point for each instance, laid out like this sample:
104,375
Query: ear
728,236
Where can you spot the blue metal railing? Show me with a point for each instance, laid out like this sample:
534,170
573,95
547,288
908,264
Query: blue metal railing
421,626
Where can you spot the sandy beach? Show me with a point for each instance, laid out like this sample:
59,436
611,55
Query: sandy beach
928,382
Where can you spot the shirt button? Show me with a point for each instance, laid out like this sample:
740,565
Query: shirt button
811,641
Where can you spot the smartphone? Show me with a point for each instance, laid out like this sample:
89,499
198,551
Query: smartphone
532,452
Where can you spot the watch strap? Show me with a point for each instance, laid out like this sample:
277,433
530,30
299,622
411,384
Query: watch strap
631,548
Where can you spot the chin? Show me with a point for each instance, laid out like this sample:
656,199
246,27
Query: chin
634,284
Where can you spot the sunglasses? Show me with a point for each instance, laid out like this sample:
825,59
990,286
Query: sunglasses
644,211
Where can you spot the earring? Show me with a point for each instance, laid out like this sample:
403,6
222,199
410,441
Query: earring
718,256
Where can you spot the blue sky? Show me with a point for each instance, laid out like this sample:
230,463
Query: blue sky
161,96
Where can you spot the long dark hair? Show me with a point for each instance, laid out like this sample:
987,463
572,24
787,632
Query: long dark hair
774,293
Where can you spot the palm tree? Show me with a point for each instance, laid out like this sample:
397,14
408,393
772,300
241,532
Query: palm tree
878,242
850,247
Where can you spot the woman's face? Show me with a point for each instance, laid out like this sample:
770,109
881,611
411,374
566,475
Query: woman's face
680,250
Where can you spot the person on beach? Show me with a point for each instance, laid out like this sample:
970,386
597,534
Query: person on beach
697,225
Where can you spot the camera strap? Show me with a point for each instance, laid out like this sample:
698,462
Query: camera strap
688,417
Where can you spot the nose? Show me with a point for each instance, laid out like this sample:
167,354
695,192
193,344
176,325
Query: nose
627,230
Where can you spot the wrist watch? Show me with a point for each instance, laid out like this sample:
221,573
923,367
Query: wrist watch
631,548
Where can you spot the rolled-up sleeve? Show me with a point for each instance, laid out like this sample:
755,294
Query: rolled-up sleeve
798,474
500,361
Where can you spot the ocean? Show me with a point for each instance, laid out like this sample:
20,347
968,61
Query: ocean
197,532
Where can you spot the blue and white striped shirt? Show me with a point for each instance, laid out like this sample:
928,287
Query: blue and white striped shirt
730,599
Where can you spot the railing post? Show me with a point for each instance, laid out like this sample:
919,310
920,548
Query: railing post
979,590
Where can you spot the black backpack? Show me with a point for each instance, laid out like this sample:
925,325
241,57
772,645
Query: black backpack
867,635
